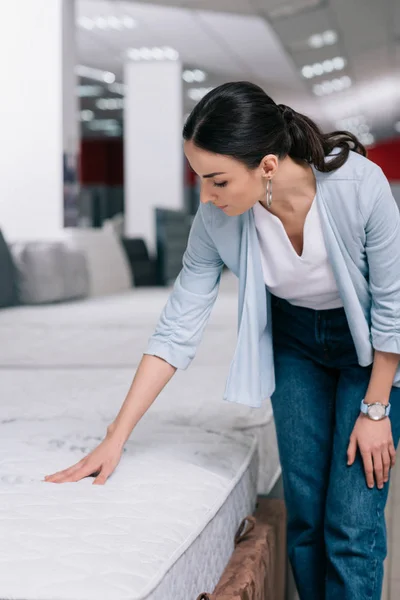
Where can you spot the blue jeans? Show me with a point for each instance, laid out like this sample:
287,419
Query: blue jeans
336,531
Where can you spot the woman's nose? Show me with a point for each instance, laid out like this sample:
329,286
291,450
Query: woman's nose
205,196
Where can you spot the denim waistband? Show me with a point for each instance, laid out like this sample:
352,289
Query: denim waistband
292,309
324,335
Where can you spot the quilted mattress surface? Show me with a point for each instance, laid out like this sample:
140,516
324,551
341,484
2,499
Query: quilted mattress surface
162,527
193,398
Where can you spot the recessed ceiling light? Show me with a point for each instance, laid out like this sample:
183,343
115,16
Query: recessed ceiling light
367,139
198,93
194,76
87,115
327,66
128,22
117,88
110,103
89,91
333,85
318,69
96,74
327,38
107,22
164,53
288,10
339,63
316,41
86,23
104,125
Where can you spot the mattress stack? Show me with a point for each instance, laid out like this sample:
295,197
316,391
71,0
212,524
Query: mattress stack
163,526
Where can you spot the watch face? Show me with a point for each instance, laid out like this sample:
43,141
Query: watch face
376,412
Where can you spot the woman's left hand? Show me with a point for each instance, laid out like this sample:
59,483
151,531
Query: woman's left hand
375,441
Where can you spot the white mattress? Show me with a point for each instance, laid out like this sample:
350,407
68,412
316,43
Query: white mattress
163,525
193,398
162,528
107,331
80,346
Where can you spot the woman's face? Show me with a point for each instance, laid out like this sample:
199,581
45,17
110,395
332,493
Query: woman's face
225,181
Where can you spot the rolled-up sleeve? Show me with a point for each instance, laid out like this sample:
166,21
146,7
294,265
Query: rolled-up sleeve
382,231
182,322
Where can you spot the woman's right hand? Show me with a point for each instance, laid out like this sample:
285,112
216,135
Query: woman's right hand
101,462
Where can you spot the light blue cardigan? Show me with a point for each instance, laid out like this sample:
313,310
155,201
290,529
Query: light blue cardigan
361,226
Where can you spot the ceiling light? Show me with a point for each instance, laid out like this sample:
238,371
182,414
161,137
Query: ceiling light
194,76
114,23
327,66
316,41
318,69
104,124
158,54
358,126
87,115
327,38
89,91
107,22
288,10
307,72
188,76
346,81
334,85
198,93
86,23
337,85
367,139
397,126
199,75
171,54
339,63
110,103
96,74
164,53
128,22
101,22
117,88
317,90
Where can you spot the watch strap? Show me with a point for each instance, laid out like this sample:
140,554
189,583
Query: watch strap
364,408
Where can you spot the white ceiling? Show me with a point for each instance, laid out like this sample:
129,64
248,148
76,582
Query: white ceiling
265,41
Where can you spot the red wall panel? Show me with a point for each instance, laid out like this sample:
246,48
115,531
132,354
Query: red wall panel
102,161
387,156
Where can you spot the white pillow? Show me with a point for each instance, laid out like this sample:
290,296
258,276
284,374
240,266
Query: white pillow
109,269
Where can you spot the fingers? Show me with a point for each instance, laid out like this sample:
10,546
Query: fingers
74,473
378,468
392,453
103,476
351,450
60,475
368,468
386,460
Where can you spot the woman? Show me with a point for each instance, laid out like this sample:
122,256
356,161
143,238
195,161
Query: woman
311,229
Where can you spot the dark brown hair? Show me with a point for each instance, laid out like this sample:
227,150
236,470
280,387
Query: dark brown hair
240,120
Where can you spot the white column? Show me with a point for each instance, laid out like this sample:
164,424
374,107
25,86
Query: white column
39,112
153,124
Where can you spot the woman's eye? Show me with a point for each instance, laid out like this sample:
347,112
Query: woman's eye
223,184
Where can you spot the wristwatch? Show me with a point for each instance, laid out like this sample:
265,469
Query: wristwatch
375,411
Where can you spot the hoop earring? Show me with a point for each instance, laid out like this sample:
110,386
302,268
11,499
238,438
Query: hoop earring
269,193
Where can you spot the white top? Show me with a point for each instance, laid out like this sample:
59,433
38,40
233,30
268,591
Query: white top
305,280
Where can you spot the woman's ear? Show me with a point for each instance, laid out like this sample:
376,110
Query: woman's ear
269,166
